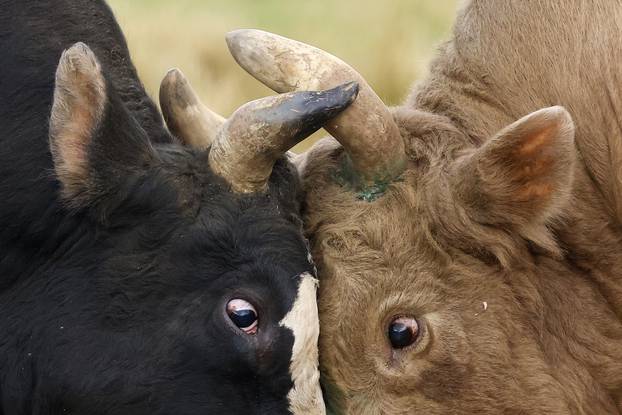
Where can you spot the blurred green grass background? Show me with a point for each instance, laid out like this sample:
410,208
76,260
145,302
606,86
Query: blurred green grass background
389,42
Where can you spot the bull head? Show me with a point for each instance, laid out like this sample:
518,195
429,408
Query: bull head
162,205
428,334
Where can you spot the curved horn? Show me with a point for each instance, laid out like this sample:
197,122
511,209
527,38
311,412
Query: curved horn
260,132
366,129
186,117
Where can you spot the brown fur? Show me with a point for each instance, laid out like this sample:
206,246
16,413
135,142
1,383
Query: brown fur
506,250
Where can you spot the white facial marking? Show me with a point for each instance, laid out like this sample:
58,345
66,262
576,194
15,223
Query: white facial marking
306,396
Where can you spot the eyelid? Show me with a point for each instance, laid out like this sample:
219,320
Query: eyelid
240,304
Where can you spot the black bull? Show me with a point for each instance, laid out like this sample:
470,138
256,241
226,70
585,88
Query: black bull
120,249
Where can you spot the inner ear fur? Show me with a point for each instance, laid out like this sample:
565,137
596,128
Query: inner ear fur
77,111
522,176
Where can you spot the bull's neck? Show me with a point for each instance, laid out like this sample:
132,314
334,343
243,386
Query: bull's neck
460,94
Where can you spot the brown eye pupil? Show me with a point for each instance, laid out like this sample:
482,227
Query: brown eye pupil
403,332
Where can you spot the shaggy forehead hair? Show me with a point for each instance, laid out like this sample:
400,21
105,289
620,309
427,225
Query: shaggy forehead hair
477,290
421,212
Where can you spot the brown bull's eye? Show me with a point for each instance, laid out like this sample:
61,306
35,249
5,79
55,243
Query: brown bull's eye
403,331
243,315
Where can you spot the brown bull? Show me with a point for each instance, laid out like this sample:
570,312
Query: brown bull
471,263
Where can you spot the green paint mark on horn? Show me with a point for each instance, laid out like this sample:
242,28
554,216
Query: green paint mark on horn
366,190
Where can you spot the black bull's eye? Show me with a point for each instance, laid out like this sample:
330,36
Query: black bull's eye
243,318
243,315
403,331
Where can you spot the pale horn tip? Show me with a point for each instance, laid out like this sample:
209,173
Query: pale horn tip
172,76
237,39
173,72
186,117
258,52
234,37
241,43
175,87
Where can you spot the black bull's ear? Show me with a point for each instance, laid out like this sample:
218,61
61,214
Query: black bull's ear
523,175
94,140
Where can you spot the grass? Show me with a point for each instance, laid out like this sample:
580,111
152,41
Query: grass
389,43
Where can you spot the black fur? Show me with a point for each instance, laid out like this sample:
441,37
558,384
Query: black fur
118,308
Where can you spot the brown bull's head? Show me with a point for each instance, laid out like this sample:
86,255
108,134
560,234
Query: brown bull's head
441,284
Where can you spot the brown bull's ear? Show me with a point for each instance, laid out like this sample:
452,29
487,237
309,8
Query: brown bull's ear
523,175
94,140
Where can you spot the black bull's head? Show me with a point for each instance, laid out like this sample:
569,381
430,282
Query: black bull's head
188,287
